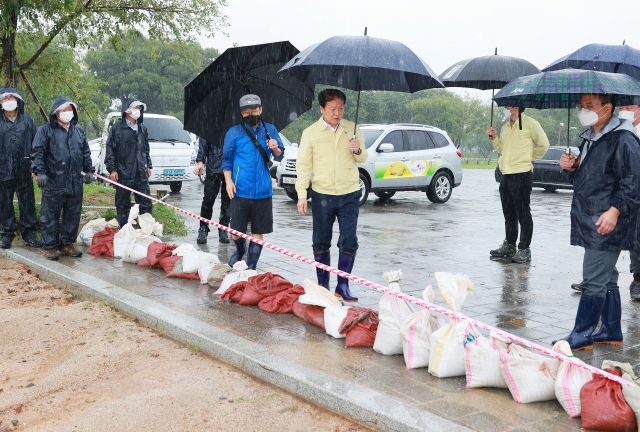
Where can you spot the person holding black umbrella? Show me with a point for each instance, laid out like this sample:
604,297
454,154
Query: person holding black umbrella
245,164
604,212
522,141
330,154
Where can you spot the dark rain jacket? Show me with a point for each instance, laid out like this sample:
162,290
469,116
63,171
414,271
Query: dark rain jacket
210,155
127,151
608,175
16,139
61,155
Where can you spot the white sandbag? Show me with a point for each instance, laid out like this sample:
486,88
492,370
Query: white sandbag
416,333
530,377
90,228
113,224
392,313
148,225
569,381
129,244
483,362
333,317
632,394
448,355
85,218
123,239
183,249
192,261
204,270
134,212
240,274
317,295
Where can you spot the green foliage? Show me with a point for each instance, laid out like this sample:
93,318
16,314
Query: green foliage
172,222
153,71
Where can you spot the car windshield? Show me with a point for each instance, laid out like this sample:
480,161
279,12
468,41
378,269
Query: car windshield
370,135
285,141
166,129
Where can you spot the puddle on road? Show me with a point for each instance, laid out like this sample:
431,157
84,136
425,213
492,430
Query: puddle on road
523,322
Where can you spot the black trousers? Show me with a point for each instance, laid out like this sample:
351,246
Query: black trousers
515,194
52,206
213,184
23,189
123,196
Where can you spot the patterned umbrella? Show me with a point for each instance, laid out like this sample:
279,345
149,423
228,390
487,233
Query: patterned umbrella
563,89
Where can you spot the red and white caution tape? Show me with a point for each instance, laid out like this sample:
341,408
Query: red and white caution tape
400,295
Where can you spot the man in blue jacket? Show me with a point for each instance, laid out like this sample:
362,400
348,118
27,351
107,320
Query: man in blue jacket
211,155
604,212
245,163
60,155
17,130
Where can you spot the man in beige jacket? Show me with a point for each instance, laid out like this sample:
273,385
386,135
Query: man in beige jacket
329,153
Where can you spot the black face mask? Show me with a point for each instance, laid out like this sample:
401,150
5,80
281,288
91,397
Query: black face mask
252,120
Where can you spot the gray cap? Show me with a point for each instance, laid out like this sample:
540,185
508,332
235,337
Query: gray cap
250,101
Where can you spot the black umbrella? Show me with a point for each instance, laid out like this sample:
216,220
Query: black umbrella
487,72
211,100
362,63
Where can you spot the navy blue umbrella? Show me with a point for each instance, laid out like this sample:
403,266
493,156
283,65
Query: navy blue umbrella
362,63
603,58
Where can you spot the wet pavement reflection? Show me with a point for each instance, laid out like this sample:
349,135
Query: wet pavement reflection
408,232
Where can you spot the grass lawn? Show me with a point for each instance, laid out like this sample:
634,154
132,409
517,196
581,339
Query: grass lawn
479,165
98,195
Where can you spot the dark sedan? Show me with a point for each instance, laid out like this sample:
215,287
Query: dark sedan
547,173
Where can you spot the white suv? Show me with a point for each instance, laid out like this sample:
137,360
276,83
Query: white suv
402,157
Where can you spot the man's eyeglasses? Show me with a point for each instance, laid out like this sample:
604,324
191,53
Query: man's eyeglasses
589,106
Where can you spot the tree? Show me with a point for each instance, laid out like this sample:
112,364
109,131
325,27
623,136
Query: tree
153,71
78,22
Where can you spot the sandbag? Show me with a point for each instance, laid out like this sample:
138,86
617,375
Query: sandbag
631,394
333,313
604,407
144,262
191,262
157,251
281,302
530,377
85,236
239,273
416,333
183,249
392,312
85,218
483,362
447,356
178,273
235,291
262,286
168,263
102,243
149,226
569,381
360,327
333,317
132,245
213,274
310,313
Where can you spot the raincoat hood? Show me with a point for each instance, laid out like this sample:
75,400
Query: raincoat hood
59,102
11,91
127,103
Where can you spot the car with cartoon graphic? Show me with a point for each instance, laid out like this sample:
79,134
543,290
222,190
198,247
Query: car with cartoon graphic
402,157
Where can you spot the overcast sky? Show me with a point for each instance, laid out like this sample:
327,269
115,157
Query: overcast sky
441,32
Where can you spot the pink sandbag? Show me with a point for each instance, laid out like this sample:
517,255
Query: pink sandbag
234,292
168,263
281,302
309,313
102,243
178,273
361,326
262,286
158,251
144,262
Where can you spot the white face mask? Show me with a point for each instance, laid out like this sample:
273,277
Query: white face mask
66,116
627,115
10,105
506,113
588,118
135,114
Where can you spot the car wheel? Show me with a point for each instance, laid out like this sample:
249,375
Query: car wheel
385,195
550,189
291,193
202,176
440,189
365,187
175,186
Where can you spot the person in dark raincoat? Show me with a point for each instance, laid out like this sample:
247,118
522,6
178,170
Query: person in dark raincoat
211,155
127,158
17,130
60,154
604,212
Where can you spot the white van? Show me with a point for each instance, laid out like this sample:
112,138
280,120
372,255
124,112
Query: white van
172,151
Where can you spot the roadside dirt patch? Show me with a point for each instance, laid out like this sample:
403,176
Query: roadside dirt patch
68,365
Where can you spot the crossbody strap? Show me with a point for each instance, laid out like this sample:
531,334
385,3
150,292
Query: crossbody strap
254,140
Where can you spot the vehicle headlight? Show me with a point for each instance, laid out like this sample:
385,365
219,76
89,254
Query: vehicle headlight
194,156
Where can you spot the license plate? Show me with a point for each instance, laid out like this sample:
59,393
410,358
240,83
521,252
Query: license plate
289,180
173,171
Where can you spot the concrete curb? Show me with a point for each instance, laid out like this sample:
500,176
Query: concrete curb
366,406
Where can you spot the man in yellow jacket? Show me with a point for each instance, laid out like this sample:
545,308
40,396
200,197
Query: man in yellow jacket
329,153
522,141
